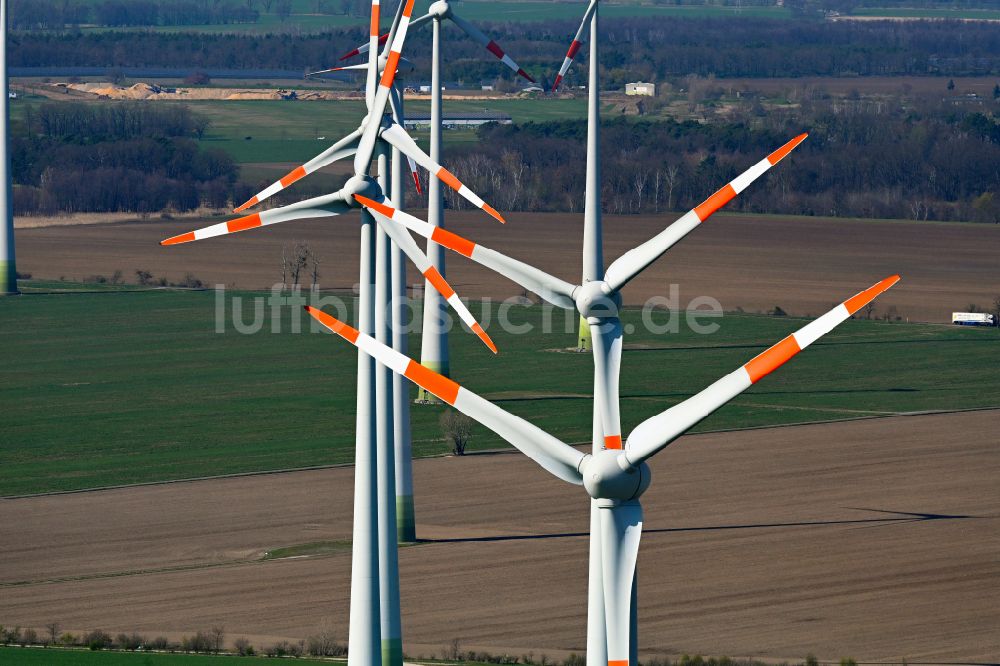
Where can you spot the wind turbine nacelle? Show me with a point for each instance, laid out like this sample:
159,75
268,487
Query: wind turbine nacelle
440,8
608,475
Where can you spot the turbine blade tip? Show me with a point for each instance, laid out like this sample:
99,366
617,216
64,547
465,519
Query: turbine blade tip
177,240
782,152
493,213
523,73
484,336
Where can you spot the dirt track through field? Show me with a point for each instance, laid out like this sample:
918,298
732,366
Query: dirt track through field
803,265
875,538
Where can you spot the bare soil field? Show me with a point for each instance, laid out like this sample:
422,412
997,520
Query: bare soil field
875,538
803,265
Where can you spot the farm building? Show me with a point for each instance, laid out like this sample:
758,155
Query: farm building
640,88
456,120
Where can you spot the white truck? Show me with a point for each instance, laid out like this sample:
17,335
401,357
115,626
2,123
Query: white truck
972,319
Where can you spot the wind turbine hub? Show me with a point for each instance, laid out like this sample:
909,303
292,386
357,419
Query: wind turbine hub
595,299
364,185
608,475
441,8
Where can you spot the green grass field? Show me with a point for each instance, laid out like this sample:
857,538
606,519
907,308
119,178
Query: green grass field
114,388
288,131
304,18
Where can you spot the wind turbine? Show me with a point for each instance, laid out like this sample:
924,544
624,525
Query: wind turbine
617,475
614,475
375,633
8,264
434,341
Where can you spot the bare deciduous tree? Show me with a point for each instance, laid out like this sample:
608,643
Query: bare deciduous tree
457,429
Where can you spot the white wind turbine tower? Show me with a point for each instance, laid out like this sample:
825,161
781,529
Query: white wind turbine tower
8,265
615,474
593,246
375,632
434,341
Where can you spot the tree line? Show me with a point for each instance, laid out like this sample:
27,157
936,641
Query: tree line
632,49
859,161
130,157
60,14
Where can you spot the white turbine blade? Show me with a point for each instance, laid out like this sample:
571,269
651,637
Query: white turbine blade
400,120
488,44
556,291
555,456
373,40
398,137
607,339
621,531
575,44
327,205
338,151
366,146
427,269
654,434
633,262
345,68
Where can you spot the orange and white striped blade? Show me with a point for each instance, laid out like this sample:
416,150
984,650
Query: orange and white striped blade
366,147
575,45
553,455
364,47
621,531
406,243
338,151
488,44
653,434
633,262
325,206
398,138
373,40
556,291
414,174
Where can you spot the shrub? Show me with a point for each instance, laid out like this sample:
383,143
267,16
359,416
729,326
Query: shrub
158,643
97,640
324,644
29,637
243,647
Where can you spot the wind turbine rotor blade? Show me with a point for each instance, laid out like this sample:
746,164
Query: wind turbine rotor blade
366,147
555,456
488,44
325,206
395,102
373,41
636,260
414,174
575,45
364,48
424,265
398,137
552,289
338,151
654,434
607,343
621,531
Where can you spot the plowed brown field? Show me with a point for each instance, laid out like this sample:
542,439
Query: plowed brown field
877,539
802,265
